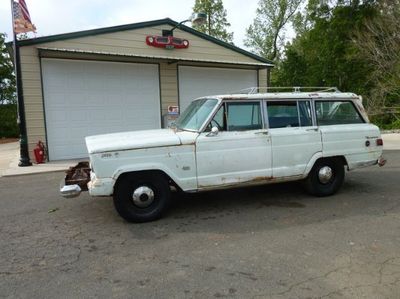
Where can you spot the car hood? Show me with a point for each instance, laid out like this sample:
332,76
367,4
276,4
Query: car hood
131,140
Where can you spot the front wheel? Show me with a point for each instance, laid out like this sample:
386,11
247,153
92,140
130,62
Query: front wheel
326,177
141,197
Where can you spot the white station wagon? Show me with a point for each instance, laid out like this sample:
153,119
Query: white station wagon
229,141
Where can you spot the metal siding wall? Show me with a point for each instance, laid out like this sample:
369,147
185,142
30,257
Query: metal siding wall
169,85
32,88
263,78
133,42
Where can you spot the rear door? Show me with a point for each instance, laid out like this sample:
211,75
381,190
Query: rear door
294,137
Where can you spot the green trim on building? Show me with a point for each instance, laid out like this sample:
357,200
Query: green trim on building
166,21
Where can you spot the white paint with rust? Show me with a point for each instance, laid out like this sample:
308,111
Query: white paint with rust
197,161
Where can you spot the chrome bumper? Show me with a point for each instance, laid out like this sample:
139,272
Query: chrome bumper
75,181
382,161
70,191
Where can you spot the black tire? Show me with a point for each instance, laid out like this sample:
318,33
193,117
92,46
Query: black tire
123,196
316,187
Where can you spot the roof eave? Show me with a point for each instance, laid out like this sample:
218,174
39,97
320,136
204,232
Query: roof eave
43,52
90,32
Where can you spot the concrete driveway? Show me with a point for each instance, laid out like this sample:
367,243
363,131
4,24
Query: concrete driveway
266,242
8,153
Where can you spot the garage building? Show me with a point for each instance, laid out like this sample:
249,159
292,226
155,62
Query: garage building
108,80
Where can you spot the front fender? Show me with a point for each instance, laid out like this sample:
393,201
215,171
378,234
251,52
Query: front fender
184,184
142,167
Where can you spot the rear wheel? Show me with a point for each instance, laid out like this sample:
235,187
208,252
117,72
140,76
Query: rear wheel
326,177
142,197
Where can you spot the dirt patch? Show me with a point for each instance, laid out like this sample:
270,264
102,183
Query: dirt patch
8,140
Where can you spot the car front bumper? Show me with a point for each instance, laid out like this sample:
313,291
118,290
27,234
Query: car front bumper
100,186
70,191
75,180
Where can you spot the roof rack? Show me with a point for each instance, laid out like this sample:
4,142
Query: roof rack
255,90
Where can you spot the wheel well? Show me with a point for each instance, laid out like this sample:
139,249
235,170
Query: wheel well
149,172
340,159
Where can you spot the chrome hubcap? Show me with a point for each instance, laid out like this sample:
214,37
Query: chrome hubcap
325,174
143,196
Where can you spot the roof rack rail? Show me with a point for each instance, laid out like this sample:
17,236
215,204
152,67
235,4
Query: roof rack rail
255,90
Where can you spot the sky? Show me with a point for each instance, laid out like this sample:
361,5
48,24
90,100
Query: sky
61,16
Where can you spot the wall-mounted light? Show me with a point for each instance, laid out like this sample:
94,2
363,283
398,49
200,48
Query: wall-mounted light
168,41
196,19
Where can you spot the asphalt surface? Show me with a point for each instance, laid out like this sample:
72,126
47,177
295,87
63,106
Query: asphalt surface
266,242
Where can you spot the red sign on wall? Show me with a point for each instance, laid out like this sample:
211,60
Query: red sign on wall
167,42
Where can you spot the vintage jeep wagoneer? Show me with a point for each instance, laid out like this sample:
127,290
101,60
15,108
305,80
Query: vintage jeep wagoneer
230,141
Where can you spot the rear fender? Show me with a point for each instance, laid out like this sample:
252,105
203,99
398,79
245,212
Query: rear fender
311,163
319,156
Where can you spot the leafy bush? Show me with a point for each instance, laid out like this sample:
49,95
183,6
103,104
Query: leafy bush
386,122
8,121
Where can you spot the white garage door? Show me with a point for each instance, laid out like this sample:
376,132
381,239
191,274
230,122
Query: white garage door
196,82
85,98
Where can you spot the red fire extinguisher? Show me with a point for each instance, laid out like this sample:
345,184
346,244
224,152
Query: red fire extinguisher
40,152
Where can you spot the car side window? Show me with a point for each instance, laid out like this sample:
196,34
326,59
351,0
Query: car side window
305,113
283,114
336,113
218,120
243,116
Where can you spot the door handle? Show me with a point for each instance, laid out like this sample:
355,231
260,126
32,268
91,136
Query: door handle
312,129
261,133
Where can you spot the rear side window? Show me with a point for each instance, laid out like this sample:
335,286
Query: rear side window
282,114
336,113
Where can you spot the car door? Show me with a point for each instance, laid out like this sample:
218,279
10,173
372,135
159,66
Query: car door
294,137
240,152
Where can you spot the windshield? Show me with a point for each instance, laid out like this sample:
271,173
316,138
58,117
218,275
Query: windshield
196,114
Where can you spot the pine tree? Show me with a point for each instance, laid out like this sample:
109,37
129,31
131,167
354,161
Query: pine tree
217,23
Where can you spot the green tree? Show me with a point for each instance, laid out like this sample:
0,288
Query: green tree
378,42
266,35
325,54
217,23
8,106
305,18
7,79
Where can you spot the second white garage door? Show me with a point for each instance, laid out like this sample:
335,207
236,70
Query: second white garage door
196,82
85,98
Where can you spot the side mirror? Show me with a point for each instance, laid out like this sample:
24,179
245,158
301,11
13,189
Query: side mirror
214,132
